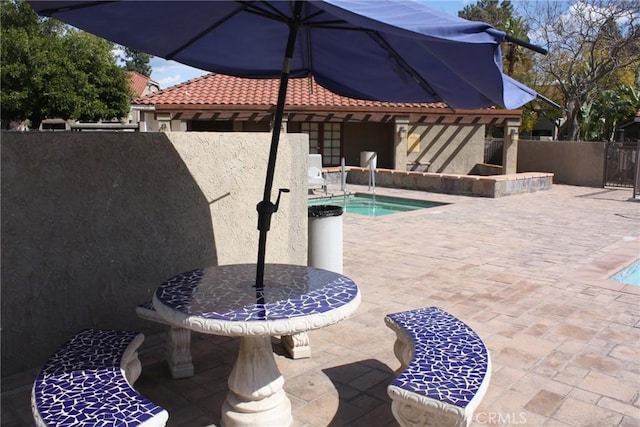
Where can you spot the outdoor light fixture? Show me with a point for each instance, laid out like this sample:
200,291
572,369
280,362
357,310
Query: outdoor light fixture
402,131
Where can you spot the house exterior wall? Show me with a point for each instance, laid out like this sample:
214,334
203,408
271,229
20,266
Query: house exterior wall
93,222
573,163
151,123
449,148
544,130
630,132
454,146
378,137
151,87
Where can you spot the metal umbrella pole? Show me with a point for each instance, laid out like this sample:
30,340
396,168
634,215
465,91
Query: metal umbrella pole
266,208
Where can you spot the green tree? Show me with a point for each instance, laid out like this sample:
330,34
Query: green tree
134,60
52,71
601,114
517,60
514,54
492,12
593,46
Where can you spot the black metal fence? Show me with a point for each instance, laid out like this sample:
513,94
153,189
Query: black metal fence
621,164
636,182
493,151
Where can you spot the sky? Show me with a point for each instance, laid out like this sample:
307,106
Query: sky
170,73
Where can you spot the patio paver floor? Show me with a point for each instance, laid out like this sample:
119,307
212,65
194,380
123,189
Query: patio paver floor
528,272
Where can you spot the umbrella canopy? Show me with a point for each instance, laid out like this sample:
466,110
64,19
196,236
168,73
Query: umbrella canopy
397,51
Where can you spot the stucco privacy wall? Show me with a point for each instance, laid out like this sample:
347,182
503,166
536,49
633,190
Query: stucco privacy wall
573,163
92,222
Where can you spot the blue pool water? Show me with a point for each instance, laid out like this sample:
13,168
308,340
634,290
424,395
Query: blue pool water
372,205
629,275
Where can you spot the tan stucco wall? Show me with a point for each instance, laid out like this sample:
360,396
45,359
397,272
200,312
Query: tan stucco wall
453,149
573,163
450,148
92,222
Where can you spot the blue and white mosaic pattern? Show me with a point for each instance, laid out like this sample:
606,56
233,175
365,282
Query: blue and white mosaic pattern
82,384
147,305
450,360
227,292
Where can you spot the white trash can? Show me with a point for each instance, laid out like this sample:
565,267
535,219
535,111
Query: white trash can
365,156
325,237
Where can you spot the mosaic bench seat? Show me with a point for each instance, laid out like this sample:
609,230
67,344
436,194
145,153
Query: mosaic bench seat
445,369
87,382
178,342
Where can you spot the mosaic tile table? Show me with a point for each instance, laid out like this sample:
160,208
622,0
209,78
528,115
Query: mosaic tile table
221,300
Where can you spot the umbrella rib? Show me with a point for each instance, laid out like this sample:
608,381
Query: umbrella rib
204,32
333,25
404,64
310,45
548,101
50,12
526,44
318,13
275,14
308,23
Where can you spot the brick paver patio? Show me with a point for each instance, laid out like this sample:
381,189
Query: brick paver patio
528,272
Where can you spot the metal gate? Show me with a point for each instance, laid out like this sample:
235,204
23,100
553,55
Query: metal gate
621,165
493,151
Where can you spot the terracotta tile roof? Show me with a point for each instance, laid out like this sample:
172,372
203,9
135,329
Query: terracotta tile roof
222,90
139,82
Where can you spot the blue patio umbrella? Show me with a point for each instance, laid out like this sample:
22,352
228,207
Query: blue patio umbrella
396,51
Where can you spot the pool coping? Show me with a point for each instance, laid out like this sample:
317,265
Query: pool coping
438,203
628,271
491,186
613,258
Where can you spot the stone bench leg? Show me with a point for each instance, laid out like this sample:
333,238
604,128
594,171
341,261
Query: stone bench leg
133,369
178,343
403,349
297,346
130,363
435,414
179,352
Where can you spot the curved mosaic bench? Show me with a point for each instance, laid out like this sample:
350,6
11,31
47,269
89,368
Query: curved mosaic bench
445,369
178,342
87,382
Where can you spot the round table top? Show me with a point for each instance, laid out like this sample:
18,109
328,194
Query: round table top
222,300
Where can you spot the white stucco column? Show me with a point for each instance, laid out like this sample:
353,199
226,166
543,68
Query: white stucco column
400,135
510,147
178,126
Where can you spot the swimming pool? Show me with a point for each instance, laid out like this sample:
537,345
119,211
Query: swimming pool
629,275
373,205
